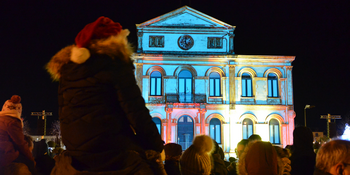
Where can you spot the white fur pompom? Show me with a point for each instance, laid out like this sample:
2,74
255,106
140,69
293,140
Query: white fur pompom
79,55
203,144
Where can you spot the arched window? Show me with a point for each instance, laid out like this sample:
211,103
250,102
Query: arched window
185,86
215,85
272,81
247,128
185,131
247,87
158,123
215,130
274,131
156,84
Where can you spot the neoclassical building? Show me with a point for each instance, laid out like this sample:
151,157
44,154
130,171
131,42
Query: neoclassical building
194,83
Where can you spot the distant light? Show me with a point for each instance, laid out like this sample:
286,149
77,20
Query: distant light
346,134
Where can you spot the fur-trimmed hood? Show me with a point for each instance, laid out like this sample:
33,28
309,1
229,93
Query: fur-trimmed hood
12,113
117,47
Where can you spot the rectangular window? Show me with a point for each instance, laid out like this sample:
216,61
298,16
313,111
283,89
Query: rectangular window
217,136
249,87
211,88
245,134
159,86
153,86
275,88
212,133
158,127
156,41
277,134
217,87
214,43
250,130
271,134
270,88
244,88
156,86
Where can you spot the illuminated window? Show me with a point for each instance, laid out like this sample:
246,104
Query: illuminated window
215,86
247,128
215,130
185,86
272,81
274,131
156,83
158,123
185,131
247,87
156,41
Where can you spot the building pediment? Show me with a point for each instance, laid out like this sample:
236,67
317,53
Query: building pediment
185,17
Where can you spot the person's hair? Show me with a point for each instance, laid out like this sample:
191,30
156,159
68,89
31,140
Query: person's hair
243,142
29,140
280,152
332,153
254,137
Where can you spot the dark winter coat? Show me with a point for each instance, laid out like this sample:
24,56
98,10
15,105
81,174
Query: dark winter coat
101,110
172,167
303,158
12,141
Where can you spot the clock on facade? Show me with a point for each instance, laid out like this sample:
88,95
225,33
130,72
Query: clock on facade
185,42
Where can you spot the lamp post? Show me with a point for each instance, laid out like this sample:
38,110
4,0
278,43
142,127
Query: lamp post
307,107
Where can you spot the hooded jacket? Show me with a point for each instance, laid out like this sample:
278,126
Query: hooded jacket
12,141
102,113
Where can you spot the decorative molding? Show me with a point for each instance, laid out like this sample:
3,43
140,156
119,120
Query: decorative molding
185,67
215,69
273,70
156,68
248,70
215,115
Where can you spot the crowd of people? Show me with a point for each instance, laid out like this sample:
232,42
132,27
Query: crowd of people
107,129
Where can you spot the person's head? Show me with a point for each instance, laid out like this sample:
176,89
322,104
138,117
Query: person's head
280,152
240,147
173,151
334,157
196,159
13,104
258,158
302,138
254,137
29,140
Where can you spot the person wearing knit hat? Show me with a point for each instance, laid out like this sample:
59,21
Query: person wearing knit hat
196,159
105,123
13,147
173,152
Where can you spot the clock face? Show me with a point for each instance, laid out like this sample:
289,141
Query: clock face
185,42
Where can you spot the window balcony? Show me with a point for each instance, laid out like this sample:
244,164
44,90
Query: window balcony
188,98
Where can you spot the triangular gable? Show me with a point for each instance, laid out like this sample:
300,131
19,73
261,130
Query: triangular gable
184,17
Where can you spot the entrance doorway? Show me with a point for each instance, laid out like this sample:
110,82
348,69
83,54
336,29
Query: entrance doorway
185,131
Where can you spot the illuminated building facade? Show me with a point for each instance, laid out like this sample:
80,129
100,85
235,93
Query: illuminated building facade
194,83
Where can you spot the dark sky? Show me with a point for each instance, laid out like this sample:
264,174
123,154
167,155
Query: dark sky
316,32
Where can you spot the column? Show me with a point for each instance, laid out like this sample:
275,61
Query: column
202,112
232,86
139,75
139,39
169,119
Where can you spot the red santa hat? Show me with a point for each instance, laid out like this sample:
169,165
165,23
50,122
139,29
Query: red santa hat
102,28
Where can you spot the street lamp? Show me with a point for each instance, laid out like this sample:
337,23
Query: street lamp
307,107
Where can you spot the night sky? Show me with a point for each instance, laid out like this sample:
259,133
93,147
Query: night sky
316,32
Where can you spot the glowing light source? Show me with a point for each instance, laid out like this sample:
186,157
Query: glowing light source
346,134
